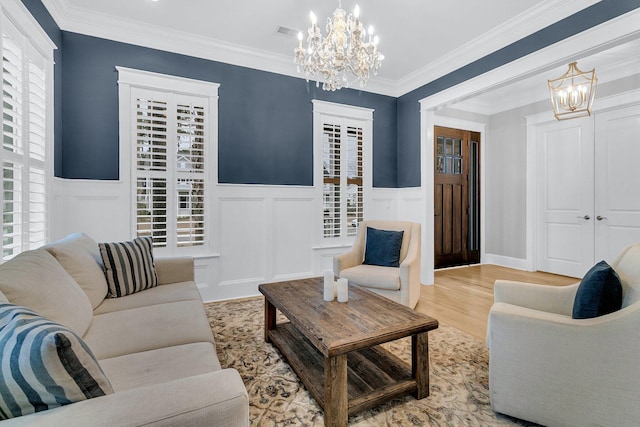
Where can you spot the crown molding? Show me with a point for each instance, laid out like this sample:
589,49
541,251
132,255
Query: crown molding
83,21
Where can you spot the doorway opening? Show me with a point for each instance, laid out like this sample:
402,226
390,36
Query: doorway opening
456,197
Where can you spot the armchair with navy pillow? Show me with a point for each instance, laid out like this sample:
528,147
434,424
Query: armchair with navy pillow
568,355
385,258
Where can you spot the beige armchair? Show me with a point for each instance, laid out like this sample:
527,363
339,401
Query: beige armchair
551,369
400,284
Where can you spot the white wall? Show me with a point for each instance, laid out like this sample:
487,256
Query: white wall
506,173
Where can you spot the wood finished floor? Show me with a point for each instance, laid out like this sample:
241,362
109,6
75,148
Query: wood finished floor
461,297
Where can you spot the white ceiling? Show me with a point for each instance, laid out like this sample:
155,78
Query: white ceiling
421,40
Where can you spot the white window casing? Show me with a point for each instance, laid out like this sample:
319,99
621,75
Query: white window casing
343,138
27,129
168,140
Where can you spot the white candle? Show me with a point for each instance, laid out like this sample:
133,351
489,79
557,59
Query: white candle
329,292
343,290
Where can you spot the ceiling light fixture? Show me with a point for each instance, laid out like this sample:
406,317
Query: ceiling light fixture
347,54
573,93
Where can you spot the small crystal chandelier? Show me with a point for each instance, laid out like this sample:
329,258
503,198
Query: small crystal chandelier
347,54
572,94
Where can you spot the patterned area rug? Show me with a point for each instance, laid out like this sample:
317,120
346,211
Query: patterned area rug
459,380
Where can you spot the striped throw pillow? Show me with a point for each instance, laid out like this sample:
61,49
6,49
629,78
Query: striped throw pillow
129,266
44,365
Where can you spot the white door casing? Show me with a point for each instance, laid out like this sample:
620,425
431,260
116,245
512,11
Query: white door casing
565,197
617,181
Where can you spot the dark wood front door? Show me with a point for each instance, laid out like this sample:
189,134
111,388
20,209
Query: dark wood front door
457,197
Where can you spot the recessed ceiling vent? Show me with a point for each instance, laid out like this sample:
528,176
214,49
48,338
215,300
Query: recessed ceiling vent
291,33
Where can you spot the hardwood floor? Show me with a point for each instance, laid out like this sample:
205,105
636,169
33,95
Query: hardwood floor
462,297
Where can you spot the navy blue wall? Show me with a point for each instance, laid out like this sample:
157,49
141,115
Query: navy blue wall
37,9
409,110
265,119
265,132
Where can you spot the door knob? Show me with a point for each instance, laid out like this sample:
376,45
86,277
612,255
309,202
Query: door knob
600,218
587,217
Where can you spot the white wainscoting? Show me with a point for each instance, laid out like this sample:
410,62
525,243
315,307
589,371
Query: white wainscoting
99,208
262,233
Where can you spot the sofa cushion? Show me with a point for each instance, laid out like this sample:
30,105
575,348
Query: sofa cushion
599,293
373,276
383,247
35,279
79,255
44,364
161,294
160,365
128,266
147,328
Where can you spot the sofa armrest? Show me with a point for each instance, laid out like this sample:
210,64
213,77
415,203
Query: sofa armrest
174,270
214,399
552,299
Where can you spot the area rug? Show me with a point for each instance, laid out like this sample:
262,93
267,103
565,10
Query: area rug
459,393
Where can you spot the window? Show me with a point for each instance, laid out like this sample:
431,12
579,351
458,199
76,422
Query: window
171,130
27,70
341,134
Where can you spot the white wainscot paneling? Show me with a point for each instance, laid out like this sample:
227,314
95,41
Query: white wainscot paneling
206,276
382,204
101,209
292,238
411,204
242,243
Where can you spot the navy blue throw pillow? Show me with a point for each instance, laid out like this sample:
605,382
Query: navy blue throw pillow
599,293
383,247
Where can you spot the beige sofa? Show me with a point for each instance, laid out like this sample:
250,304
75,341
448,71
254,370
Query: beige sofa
155,346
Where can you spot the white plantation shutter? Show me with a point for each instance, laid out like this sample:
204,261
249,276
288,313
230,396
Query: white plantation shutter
151,168
342,170
354,181
12,209
170,175
190,172
25,103
331,179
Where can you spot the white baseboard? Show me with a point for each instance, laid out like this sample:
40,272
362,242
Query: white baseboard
505,261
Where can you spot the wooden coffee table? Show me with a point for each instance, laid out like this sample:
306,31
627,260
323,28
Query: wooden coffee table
334,347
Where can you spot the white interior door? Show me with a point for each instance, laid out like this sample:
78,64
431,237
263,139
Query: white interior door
617,178
565,232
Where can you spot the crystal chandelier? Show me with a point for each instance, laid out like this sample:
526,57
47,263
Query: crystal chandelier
347,54
573,93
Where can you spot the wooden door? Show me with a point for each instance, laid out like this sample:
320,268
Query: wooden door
456,197
565,159
617,181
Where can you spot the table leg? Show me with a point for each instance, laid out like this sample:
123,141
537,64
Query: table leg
420,363
269,319
336,409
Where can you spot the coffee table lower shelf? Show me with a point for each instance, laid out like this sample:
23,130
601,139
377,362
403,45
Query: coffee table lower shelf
374,375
